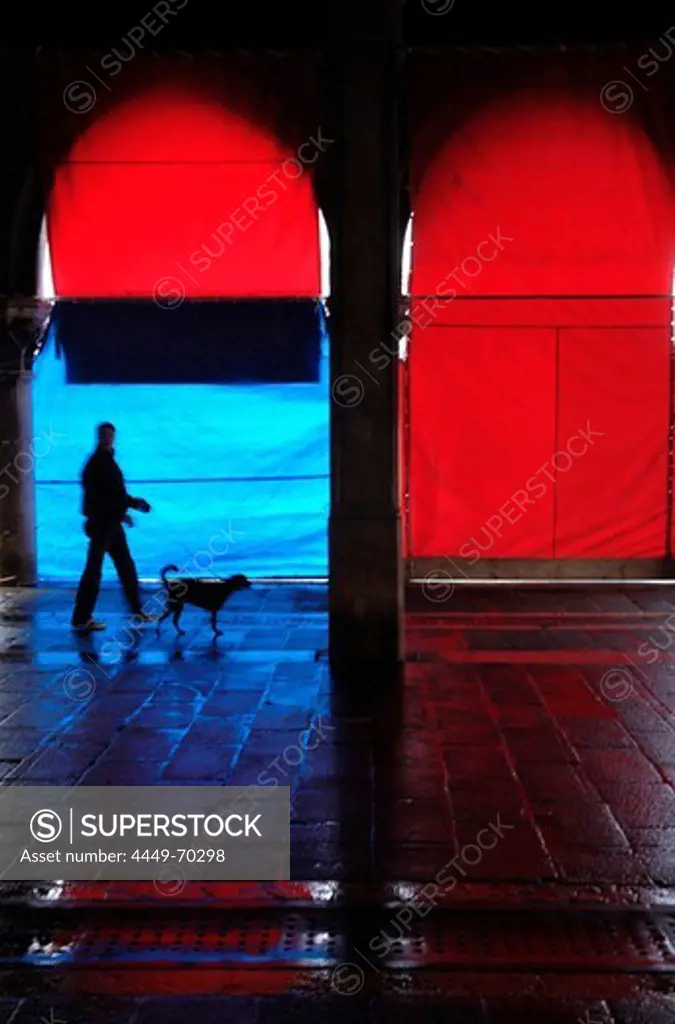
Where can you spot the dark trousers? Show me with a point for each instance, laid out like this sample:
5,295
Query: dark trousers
110,538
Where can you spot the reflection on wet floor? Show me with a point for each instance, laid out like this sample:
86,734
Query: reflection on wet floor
441,829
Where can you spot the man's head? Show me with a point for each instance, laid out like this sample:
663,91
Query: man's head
106,435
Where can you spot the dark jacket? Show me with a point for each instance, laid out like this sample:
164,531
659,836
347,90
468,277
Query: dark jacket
105,497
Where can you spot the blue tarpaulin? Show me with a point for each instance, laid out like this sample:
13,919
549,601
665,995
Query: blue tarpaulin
237,474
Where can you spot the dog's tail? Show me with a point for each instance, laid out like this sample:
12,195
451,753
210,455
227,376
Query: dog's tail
167,568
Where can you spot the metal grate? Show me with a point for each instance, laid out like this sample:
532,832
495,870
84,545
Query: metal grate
239,939
480,940
597,941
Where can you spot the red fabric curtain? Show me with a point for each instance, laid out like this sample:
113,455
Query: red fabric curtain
612,501
544,226
183,178
477,437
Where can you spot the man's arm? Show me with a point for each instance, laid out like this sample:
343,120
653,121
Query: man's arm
139,504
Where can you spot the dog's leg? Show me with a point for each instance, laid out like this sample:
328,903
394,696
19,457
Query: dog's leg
162,617
176,618
214,624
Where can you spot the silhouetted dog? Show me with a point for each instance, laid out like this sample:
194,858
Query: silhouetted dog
210,595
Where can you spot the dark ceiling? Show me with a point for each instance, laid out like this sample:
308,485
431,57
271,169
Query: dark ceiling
221,24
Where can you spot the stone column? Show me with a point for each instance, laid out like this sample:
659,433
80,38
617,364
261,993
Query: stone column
366,585
19,330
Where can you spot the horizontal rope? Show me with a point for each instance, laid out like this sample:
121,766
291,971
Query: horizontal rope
540,47
205,480
585,326
196,52
178,163
540,298
192,299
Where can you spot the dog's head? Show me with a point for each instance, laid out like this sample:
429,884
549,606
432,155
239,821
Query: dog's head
239,582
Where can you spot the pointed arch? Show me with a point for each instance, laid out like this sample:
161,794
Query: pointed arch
543,243
145,179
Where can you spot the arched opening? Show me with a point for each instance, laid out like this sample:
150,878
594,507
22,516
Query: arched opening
229,445
406,257
541,295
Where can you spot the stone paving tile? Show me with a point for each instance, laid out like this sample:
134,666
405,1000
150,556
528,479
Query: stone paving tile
605,765
144,744
233,702
234,1010
83,1010
640,807
658,862
579,864
282,718
644,1010
212,729
207,763
66,762
17,744
594,827
123,773
590,735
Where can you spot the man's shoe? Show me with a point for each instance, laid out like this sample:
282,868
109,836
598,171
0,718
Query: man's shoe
92,626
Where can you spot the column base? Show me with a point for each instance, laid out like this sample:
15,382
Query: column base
366,600
18,560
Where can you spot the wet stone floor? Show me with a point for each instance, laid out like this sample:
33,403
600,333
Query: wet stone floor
490,838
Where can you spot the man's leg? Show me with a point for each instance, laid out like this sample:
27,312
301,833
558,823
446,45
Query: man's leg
90,581
126,568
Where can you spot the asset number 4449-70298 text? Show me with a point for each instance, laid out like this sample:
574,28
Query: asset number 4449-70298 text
190,856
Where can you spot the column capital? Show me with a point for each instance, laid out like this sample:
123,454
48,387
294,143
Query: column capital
23,324
25,310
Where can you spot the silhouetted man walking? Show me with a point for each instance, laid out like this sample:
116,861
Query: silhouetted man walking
105,507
